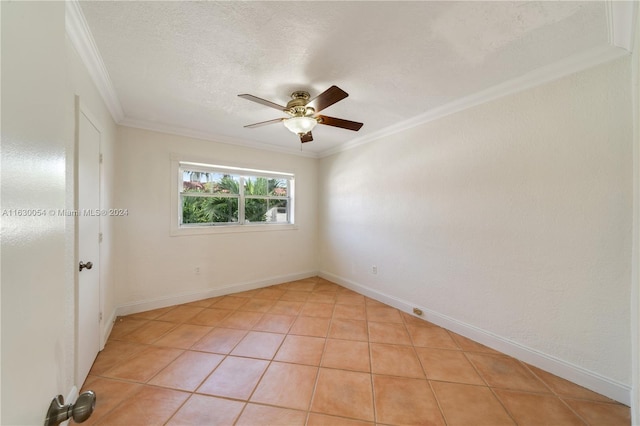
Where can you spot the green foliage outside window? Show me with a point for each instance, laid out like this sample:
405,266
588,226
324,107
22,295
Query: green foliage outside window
225,209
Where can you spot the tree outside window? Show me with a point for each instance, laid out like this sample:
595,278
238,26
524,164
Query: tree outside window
219,197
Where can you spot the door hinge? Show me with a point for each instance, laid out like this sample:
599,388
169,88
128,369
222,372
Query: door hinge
100,237
100,158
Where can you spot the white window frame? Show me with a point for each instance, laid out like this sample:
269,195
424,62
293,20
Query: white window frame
177,228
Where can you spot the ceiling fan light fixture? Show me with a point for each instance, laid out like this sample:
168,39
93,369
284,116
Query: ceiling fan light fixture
303,114
300,125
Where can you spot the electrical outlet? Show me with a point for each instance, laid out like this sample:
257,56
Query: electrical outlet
374,270
196,270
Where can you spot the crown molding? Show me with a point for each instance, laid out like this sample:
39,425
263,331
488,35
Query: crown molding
620,21
557,70
80,36
195,134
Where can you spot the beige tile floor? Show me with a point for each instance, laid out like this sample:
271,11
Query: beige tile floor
312,352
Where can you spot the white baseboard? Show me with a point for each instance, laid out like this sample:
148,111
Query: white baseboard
107,326
177,299
576,374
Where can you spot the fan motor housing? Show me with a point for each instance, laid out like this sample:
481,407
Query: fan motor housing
297,105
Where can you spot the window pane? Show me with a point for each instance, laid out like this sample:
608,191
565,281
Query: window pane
225,184
265,210
255,185
209,210
213,195
208,182
277,212
193,181
278,187
255,210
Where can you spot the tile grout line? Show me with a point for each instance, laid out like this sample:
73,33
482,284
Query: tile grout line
268,365
477,370
554,393
271,362
225,356
324,348
251,328
146,383
424,371
373,388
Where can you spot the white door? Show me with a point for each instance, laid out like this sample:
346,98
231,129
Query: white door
88,319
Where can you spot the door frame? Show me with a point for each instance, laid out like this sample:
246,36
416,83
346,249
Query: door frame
81,109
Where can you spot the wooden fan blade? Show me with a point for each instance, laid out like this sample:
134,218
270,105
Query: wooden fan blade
262,101
264,123
339,122
306,137
327,98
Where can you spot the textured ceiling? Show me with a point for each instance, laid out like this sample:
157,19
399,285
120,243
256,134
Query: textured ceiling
180,65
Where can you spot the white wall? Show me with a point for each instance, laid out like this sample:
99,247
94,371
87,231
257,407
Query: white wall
635,293
155,268
37,291
511,221
41,74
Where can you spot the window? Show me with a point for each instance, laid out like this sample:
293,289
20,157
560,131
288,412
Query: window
212,195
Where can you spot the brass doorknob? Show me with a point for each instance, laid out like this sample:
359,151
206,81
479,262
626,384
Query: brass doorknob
87,265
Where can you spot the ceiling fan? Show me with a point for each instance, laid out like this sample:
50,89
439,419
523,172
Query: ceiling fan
303,113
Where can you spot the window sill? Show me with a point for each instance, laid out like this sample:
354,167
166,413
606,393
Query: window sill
230,229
